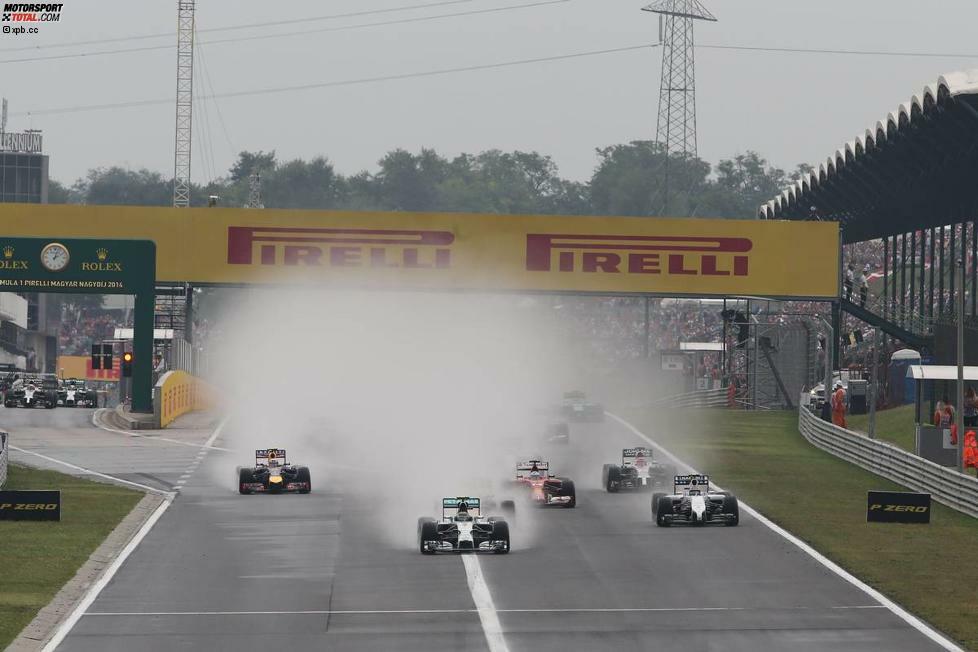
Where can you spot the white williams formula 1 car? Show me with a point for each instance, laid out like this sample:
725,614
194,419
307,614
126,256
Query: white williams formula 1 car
462,528
692,503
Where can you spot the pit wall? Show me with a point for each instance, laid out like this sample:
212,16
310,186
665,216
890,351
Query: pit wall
177,393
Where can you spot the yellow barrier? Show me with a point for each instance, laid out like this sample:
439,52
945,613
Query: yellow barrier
179,393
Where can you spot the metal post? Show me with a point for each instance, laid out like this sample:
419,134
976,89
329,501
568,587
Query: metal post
886,276
913,272
903,278
974,269
951,261
837,329
648,328
959,399
923,268
939,268
873,384
142,353
933,267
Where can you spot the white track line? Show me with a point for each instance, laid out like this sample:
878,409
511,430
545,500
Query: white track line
922,627
107,576
97,422
368,612
96,588
488,615
69,465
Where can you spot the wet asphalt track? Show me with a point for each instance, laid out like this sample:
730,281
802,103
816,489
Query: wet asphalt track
223,572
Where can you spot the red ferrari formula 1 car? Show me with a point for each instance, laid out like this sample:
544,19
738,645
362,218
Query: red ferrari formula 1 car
545,489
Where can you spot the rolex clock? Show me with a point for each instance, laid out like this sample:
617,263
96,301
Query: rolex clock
54,257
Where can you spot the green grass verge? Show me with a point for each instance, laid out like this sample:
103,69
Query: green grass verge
40,557
929,569
895,425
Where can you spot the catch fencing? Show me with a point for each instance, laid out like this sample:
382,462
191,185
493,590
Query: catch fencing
3,457
945,485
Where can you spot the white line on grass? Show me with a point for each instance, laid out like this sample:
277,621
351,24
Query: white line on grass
488,615
69,465
899,611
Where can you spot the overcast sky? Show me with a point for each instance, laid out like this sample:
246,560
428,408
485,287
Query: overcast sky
790,107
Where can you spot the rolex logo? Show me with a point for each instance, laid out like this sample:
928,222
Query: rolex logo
8,252
102,253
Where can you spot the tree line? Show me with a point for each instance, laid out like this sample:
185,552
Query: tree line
629,179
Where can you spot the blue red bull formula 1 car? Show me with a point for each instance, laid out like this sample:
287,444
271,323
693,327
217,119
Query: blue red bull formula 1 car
273,474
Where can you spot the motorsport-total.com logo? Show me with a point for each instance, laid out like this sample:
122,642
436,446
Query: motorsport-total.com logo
27,13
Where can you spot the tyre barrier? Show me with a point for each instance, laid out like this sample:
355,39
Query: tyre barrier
946,486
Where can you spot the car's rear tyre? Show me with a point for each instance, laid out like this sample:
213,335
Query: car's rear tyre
428,531
302,475
508,508
500,532
662,508
613,482
567,489
245,476
731,508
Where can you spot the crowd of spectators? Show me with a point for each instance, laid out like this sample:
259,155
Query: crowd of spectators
81,327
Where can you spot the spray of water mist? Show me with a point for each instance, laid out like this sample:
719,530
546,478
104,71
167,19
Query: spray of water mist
400,397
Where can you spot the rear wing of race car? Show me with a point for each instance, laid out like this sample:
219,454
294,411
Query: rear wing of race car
270,457
694,482
628,455
451,505
523,469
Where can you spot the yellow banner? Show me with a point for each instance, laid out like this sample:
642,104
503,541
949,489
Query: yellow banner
452,251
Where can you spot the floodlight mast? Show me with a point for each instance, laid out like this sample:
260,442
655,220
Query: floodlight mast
676,128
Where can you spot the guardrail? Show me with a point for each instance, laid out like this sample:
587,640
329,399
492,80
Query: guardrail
697,398
3,457
945,485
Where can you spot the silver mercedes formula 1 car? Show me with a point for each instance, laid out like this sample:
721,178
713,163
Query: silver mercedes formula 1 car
462,528
693,503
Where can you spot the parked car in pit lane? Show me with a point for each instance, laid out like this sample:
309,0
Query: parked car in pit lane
577,407
638,470
273,474
74,393
544,489
693,503
462,528
33,390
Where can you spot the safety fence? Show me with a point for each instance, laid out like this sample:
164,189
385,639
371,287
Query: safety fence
178,393
3,457
945,485
697,398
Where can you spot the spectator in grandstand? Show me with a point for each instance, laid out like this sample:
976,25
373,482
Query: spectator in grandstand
938,412
850,277
970,408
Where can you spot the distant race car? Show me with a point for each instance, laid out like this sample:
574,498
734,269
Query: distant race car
576,407
545,489
74,393
273,474
557,432
33,391
638,470
462,528
693,503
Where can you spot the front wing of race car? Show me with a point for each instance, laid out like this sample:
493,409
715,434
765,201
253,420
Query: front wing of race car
251,482
488,537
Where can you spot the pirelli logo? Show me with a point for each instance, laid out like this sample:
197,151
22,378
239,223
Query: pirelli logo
638,254
340,248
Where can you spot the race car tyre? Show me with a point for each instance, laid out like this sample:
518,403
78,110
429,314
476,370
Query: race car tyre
302,475
429,532
655,501
732,509
245,476
508,508
500,532
662,508
567,489
9,404
50,406
613,482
